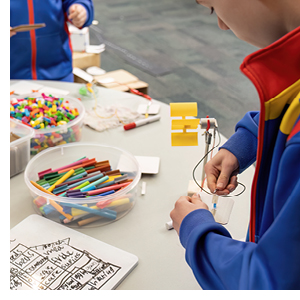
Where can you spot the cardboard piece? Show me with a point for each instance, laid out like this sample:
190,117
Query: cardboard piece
83,60
27,27
121,80
13,137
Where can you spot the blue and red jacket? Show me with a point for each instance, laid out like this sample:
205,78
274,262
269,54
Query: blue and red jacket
45,53
270,258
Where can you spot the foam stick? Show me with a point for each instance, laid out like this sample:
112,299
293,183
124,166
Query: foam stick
105,189
94,183
107,213
53,203
62,179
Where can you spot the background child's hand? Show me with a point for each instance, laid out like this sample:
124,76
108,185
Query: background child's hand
183,206
77,14
12,32
221,172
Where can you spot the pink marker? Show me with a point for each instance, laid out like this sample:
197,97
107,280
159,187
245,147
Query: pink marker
109,188
41,174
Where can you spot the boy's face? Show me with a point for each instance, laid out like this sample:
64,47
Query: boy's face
250,20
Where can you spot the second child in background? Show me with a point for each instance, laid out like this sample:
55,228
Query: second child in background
45,53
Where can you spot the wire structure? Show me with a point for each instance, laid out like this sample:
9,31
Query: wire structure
201,160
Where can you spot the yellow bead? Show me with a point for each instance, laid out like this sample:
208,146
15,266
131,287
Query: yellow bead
61,123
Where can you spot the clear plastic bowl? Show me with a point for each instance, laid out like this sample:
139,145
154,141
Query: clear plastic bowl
19,148
63,134
59,156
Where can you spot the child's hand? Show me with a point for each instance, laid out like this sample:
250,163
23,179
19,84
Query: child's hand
77,14
12,32
221,173
183,206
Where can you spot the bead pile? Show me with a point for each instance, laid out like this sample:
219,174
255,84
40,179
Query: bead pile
46,112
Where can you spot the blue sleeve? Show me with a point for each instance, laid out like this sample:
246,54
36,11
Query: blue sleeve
243,143
220,262
88,4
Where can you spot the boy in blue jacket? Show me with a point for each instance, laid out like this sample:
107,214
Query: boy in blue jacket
269,259
45,53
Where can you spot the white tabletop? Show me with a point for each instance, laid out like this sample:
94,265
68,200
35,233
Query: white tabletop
142,231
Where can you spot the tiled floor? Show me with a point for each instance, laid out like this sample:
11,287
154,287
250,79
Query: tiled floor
195,60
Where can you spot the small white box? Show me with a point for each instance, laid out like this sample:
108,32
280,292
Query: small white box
80,38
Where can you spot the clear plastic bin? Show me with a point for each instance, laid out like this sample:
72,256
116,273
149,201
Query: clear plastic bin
67,133
119,203
19,147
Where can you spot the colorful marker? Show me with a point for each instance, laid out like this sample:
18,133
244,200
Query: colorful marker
141,122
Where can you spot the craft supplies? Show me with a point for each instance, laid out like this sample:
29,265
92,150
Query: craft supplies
102,118
55,120
101,190
141,122
20,136
111,117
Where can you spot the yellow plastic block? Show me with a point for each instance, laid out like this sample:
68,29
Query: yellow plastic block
184,138
184,109
185,124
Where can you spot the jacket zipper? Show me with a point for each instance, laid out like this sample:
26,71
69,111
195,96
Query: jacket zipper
32,40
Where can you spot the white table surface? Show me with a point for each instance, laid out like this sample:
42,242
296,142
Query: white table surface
142,231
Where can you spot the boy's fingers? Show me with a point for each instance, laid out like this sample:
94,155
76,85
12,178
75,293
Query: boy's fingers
73,11
195,198
224,177
232,184
211,182
73,15
211,177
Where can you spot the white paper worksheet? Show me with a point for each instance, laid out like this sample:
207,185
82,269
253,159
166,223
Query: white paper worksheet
45,255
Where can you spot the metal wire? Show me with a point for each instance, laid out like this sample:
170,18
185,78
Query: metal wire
200,161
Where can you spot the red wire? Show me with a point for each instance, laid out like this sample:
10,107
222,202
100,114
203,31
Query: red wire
208,124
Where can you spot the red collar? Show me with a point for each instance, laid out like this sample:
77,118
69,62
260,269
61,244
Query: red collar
271,70
276,67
